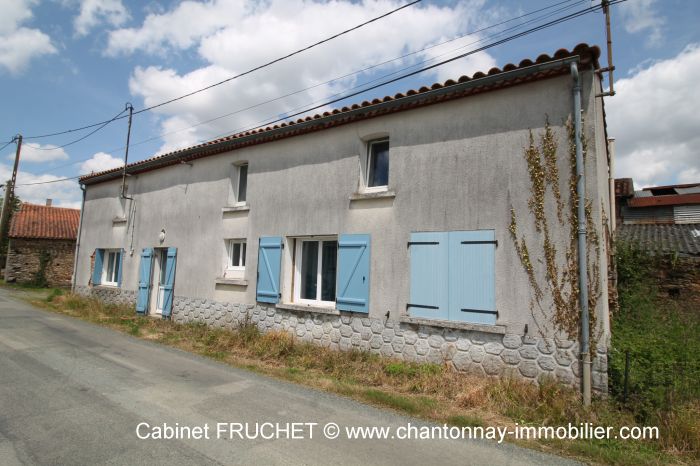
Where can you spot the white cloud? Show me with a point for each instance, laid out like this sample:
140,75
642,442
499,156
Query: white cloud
232,36
640,16
655,121
101,161
40,153
19,45
95,12
64,193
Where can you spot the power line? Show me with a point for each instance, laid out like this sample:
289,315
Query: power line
7,144
81,138
377,18
471,52
366,69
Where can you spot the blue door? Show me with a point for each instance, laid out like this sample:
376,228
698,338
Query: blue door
144,290
169,281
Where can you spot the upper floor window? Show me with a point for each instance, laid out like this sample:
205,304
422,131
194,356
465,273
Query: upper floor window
237,194
242,183
377,163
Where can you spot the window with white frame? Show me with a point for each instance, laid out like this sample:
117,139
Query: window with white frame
235,257
377,169
315,264
242,184
111,264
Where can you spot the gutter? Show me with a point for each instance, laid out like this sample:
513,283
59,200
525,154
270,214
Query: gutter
77,242
582,247
381,107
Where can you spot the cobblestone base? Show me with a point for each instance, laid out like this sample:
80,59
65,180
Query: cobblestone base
466,350
108,295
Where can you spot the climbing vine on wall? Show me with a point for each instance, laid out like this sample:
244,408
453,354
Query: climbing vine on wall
553,273
40,278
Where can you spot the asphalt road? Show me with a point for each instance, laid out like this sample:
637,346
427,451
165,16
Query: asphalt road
74,393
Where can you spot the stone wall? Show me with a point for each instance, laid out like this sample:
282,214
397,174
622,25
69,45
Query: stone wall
470,351
25,255
108,294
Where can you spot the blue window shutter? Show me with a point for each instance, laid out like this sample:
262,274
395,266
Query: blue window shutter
121,268
472,276
429,264
144,280
97,270
353,273
269,265
169,281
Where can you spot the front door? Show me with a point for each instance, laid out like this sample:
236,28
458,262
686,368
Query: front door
159,280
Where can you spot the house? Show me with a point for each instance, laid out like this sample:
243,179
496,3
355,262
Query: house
42,245
402,226
661,219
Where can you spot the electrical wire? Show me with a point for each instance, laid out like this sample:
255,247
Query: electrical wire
296,52
259,104
7,144
81,138
471,52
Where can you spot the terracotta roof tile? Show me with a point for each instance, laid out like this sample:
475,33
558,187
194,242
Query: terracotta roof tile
588,54
38,221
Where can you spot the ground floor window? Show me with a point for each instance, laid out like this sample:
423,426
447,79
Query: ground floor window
112,262
315,264
235,258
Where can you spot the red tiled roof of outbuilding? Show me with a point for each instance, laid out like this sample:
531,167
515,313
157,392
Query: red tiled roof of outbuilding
44,222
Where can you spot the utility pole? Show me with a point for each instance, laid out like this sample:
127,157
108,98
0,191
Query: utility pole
610,68
126,152
10,192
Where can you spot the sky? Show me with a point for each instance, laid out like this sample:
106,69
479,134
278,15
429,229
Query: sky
65,64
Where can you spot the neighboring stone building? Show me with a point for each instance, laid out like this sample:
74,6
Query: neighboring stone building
385,226
42,245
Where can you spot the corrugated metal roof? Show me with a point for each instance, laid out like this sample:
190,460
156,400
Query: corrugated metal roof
681,239
686,213
647,215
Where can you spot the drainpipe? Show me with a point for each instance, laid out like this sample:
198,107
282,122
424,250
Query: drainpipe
611,176
77,242
582,249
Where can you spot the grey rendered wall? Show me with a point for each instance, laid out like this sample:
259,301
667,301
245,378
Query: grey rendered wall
454,166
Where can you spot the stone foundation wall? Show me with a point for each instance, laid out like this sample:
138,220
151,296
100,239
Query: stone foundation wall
24,259
108,294
470,351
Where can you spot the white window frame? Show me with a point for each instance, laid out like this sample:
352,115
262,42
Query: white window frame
105,265
238,173
231,270
368,164
296,292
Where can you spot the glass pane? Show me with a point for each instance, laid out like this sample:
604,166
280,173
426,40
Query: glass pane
329,260
163,258
110,266
242,182
243,255
379,164
235,254
117,260
309,269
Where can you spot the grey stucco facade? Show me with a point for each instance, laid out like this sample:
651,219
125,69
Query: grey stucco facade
456,165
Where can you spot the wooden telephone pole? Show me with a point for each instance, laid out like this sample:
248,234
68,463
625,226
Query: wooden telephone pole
7,201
